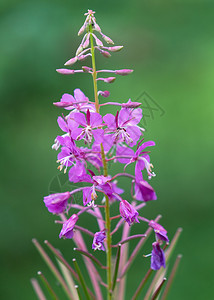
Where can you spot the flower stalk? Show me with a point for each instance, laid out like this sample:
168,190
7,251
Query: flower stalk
105,171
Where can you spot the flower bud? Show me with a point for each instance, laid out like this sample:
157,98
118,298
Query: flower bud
79,49
160,232
68,227
104,93
83,57
71,61
128,212
107,39
97,27
86,43
105,53
108,79
87,69
65,71
82,29
131,104
114,48
98,42
123,72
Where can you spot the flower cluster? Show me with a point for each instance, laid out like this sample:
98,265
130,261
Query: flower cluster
89,141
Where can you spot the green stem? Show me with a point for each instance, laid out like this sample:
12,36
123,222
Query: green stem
105,172
94,74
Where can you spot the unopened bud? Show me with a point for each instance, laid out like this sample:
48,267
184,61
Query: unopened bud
87,69
107,39
114,48
108,79
83,57
98,42
82,29
123,72
97,27
79,50
105,53
65,71
131,104
86,43
104,93
71,61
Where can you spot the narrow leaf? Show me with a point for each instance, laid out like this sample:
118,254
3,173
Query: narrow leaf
68,278
82,281
91,257
61,258
78,292
142,284
173,243
116,267
157,292
171,277
47,285
52,268
37,289
129,239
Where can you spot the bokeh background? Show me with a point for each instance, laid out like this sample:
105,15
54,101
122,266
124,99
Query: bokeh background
170,45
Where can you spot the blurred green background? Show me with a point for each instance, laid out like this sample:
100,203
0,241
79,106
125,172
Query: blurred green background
170,45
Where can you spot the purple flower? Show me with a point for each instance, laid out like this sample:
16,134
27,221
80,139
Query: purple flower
124,125
89,195
68,227
160,232
56,203
69,153
77,173
141,158
128,212
143,191
89,123
98,240
77,103
158,257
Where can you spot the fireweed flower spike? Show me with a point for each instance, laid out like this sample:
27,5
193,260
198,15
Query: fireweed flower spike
89,143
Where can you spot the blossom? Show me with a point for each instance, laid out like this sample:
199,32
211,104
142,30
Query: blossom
68,227
77,172
69,153
160,232
128,212
141,157
78,102
56,203
158,257
143,190
89,122
123,125
98,240
89,195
